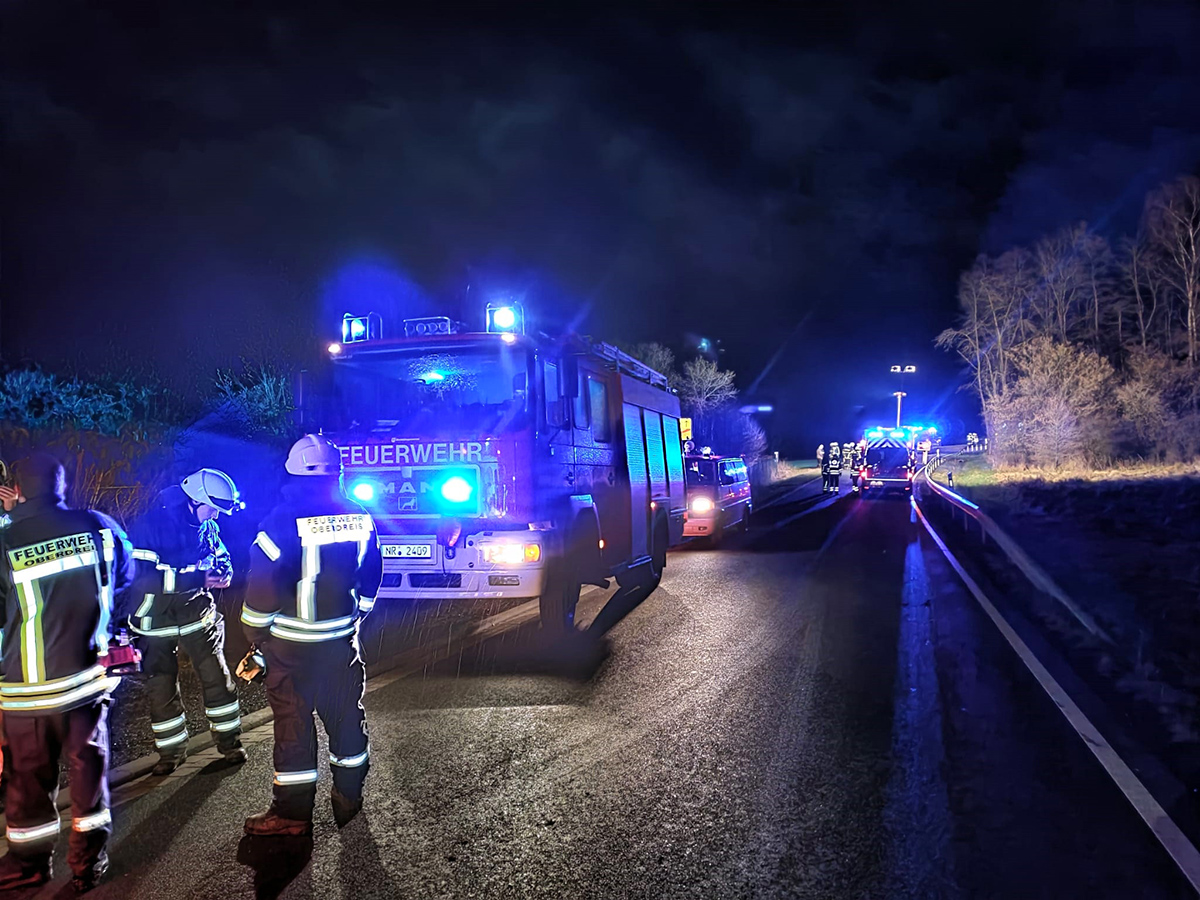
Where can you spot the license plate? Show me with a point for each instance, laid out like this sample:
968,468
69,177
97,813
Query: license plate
407,551
876,484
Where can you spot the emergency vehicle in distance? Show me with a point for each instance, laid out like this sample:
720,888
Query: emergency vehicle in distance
888,465
500,464
718,494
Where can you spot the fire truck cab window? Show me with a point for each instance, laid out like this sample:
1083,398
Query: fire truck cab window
554,410
581,404
598,402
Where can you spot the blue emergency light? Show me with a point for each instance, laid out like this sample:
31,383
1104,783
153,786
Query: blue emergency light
363,491
897,433
505,318
455,491
361,328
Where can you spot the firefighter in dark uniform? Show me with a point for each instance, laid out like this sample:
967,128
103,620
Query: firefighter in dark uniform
60,570
181,559
315,570
834,464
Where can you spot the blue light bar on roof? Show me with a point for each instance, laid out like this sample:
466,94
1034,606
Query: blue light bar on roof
505,318
361,328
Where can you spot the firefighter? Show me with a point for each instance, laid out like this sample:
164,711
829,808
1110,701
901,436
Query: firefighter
60,570
181,560
835,468
315,570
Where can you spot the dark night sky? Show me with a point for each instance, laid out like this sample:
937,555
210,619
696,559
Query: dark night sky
189,186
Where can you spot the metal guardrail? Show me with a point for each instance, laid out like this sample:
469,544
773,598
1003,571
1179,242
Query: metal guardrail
970,513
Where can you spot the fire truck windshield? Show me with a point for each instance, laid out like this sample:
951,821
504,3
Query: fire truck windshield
448,391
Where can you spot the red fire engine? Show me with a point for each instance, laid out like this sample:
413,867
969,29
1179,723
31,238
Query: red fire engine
499,464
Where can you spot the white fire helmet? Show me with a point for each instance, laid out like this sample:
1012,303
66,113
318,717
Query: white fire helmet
314,454
214,488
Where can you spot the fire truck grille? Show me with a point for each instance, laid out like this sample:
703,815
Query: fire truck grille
435,580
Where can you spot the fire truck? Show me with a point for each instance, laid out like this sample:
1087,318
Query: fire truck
500,464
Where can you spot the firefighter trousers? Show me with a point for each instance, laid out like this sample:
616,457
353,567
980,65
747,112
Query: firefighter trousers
327,678
34,745
205,646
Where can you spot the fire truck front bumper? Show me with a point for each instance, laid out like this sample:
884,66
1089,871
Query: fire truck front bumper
485,565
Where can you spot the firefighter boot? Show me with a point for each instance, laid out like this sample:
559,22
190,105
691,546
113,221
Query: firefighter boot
90,877
344,809
271,824
168,764
235,756
17,873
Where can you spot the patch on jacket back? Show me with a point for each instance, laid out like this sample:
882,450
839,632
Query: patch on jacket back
48,551
334,529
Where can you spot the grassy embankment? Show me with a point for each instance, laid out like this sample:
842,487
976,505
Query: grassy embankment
1123,543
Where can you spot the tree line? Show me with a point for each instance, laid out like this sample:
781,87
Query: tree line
1083,351
707,395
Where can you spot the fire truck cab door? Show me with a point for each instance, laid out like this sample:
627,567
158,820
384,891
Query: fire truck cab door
596,439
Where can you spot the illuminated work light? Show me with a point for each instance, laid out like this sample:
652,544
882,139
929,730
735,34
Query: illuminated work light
505,317
363,491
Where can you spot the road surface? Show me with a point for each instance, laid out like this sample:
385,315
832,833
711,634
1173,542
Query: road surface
815,709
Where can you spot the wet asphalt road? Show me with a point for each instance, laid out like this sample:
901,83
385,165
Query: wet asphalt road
813,710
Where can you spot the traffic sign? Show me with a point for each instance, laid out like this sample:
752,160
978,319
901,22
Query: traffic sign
685,429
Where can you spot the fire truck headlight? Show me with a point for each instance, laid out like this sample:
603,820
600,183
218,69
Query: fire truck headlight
335,349
702,506
457,489
363,491
511,554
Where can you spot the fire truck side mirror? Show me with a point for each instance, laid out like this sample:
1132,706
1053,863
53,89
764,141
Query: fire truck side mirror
568,377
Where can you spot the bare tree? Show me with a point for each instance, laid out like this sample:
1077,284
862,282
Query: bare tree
656,356
704,386
1142,277
993,296
1172,224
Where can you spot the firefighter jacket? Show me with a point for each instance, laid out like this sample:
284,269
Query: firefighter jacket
174,556
834,464
60,570
315,567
